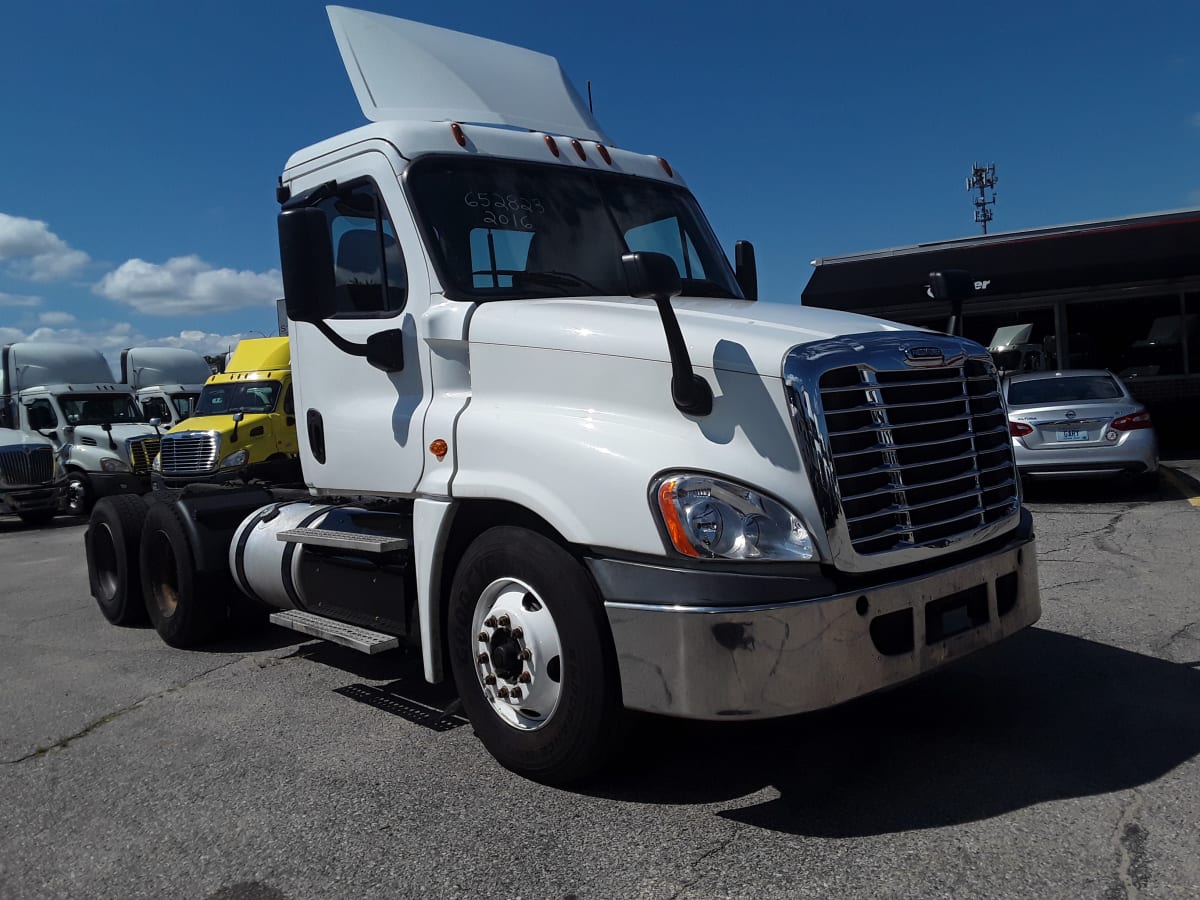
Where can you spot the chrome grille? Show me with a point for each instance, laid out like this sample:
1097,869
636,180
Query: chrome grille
21,467
188,452
904,438
141,454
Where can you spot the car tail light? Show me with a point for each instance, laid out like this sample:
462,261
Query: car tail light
1019,429
1132,422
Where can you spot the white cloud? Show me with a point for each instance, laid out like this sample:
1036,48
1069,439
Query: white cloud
187,284
111,338
55,317
19,300
34,251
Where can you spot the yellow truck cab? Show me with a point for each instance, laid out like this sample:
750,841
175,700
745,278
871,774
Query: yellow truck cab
244,426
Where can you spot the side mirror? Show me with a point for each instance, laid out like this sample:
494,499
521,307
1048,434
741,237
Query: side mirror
156,421
385,350
238,416
650,276
306,257
746,269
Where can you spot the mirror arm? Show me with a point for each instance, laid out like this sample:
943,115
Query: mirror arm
691,393
338,341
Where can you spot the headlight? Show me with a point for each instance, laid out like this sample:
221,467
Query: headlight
112,464
235,459
711,518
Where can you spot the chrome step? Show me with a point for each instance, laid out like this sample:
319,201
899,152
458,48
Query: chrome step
344,540
361,639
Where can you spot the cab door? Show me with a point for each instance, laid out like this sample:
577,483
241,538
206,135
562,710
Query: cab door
360,428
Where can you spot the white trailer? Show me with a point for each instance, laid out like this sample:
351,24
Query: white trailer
65,393
550,437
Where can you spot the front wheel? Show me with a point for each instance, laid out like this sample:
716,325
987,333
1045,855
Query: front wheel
532,656
79,494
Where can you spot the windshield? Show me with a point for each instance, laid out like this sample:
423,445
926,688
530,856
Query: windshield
502,229
96,409
1073,389
242,396
184,404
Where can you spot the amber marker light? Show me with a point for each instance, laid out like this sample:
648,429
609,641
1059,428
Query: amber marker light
604,154
578,148
459,134
439,448
670,514
553,146
666,167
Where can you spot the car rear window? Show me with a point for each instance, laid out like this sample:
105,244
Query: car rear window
1069,389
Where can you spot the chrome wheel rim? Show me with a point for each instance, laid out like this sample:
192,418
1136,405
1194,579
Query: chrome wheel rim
518,654
76,495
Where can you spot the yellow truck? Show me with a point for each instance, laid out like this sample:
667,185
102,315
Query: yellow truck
244,426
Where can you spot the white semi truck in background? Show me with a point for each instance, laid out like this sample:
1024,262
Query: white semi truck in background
550,437
166,381
65,392
32,479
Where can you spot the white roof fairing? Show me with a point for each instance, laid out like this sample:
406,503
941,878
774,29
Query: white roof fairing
408,71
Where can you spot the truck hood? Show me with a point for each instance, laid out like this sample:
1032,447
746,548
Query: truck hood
12,438
221,424
120,434
731,335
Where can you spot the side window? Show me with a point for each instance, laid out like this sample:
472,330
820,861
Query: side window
289,404
667,236
41,415
369,273
156,408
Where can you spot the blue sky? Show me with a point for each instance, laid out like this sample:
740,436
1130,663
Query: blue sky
142,140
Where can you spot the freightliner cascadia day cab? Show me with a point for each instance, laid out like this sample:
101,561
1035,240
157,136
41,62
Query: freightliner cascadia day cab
165,380
565,450
32,479
66,393
244,426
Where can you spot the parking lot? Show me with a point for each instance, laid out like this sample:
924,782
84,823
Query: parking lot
1062,763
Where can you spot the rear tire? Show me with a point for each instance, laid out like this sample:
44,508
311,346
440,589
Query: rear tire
38,518
568,719
113,544
186,607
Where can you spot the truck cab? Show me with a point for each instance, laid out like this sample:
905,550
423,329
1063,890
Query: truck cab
166,380
243,426
66,393
551,437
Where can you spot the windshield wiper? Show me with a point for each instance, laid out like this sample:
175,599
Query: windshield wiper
693,286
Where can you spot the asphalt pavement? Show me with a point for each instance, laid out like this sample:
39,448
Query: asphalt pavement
1062,763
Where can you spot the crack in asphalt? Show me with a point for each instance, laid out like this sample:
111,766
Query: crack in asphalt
705,855
1129,840
103,720
1182,632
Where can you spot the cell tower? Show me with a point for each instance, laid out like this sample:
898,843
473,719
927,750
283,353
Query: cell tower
983,179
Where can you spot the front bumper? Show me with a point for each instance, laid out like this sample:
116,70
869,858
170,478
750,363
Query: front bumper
32,499
782,658
273,470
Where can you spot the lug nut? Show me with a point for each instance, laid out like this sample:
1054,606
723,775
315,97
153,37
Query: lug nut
526,654
483,659
524,678
483,637
503,693
489,679
515,693
518,632
504,621
490,621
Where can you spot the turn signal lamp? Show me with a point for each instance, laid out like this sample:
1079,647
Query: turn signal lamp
439,449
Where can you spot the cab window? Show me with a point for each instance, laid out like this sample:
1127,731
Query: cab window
370,278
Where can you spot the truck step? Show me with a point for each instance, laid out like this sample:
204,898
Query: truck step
361,639
343,540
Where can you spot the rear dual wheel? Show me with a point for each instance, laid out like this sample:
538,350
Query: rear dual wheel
113,544
533,658
186,607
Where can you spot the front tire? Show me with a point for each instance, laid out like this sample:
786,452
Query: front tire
186,608
113,546
533,658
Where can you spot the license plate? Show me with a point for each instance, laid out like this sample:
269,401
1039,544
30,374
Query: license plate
1073,434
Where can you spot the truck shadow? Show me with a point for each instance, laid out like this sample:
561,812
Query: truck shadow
1045,716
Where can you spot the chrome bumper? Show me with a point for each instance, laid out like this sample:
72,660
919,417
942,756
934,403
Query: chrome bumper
763,661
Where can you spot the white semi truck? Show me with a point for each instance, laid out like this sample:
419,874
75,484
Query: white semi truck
32,479
65,392
166,380
550,437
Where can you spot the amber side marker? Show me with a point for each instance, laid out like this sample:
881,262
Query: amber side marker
459,134
439,449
